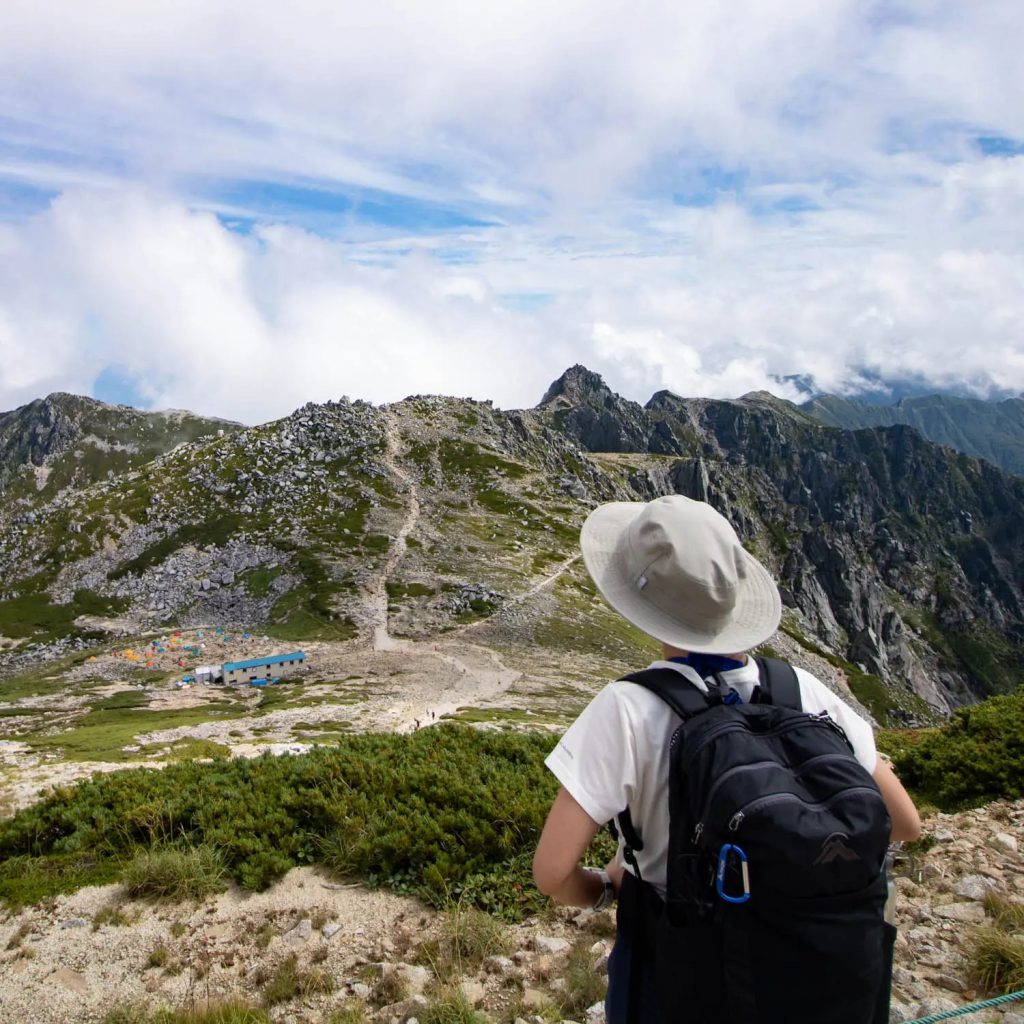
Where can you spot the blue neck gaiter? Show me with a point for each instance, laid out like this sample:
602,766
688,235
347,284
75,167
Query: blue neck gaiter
708,664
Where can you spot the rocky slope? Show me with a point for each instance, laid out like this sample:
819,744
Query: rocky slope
76,957
898,559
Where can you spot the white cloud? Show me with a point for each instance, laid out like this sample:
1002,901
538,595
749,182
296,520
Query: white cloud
247,328
700,195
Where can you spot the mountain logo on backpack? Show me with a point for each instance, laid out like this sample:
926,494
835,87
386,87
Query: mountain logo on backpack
834,848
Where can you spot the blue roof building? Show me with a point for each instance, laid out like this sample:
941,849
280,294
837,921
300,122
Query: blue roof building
260,668
274,659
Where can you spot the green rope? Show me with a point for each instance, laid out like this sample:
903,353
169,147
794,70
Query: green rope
969,1008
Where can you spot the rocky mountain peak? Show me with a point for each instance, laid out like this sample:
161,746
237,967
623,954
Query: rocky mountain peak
577,384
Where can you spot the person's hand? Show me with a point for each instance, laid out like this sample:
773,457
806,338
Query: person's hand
614,869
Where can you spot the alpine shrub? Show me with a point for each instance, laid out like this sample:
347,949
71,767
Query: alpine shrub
445,813
977,757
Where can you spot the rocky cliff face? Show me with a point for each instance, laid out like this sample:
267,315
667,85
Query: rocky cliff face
67,440
900,554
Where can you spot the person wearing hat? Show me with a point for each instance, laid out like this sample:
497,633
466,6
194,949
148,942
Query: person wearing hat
675,568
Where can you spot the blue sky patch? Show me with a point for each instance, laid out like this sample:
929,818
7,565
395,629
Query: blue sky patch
113,387
328,210
999,145
19,200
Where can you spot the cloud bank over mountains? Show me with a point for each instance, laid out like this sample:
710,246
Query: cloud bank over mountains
237,208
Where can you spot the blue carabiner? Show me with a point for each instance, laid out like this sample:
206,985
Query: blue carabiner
723,859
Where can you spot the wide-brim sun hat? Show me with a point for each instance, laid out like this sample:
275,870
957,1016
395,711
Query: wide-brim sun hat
676,569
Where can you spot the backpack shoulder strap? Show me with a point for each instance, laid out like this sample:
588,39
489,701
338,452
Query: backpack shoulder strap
685,699
779,683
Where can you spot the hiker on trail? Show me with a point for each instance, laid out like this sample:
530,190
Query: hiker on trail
752,811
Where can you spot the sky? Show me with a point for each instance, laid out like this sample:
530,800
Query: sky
238,207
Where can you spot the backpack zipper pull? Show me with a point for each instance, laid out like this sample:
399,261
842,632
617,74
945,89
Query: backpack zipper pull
735,820
824,718
696,833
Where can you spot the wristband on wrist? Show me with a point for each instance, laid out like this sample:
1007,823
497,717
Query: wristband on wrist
607,897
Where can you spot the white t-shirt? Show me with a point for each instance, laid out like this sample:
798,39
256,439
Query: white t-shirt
616,754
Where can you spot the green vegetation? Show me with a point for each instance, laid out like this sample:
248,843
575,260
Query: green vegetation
290,981
32,615
44,681
113,916
450,1006
26,880
159,956
396,591
448,813
995,952
257,581
352,1011
988,658
307,612
583,985
187,750
468,936
103,733
174,873
464,458
976,757
233,1011
995,960
585,624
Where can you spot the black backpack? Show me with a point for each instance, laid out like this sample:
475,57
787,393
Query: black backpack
776,888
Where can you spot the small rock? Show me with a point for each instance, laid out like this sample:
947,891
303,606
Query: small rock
534,999
330,930
499,965
405,1010
550,944
301,932
473,991
595,1014
974,887
358,988
943,835
938,1004
949,983
902,977
898,1012
416,978
1005,842
74,922
969,913
71,980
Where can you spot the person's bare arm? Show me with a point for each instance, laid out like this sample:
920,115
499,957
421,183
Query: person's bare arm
556,864
906,822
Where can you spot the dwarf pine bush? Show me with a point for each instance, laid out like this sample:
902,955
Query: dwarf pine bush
978,756
441,813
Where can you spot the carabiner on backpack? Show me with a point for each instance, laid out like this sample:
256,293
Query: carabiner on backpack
723,861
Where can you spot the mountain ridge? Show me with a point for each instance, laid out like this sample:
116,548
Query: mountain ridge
897,557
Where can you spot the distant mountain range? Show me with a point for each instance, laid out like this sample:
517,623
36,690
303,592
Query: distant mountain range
899,559
989,430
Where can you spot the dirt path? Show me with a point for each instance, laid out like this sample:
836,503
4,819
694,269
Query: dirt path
475,675
378,601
